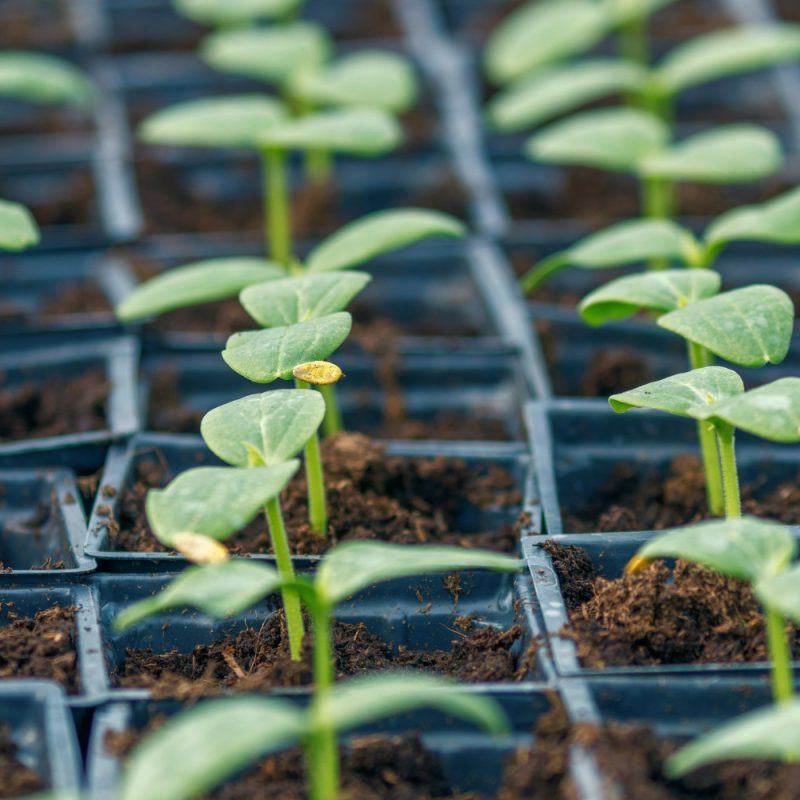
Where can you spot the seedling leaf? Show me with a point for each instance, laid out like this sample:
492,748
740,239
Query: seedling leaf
546,94
263,356
750,326
214,13
769,733
192,284
728,52
306,297
235,121
272,54
771,412
379,233
745,548
728,154
688,394
356,565
373,78
781,592
616,139
541,33
214,501
198,749
18,228
275,425
40,78
774,221
657,290
353,131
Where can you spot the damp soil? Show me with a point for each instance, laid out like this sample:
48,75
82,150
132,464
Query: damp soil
41,646
257,660
16,778
69,200
36,26
788,9
636,500
371,495
56,407
73,299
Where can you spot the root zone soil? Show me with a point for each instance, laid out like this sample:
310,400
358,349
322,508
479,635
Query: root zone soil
16,779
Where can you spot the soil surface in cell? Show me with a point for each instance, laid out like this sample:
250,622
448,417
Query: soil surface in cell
66,200
41,646
371,495
257,659
684,614
635,501
788,9
632,757
81,297
16,779
35,26
55,407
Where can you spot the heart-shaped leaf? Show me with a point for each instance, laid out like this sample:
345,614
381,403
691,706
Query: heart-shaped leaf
192,284
750,326
353,131
40,78
771,412
18,229
615,139
723,53
781,592
299,299
775,221
688,394
378,233
542,33
214,501
274,425
375,78
264,356
728,154
547,94
272,54
235,12
353,566
746,548
769,733
657,290
235,121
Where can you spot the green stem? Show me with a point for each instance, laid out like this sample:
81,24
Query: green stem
315,480
540,272
730,475
658,201
333,413
278,233
781,656
319,166
700,357
632,39
291,600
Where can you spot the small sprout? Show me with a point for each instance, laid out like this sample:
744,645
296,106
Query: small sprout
18,228
235,12
40,78
318,373
200,549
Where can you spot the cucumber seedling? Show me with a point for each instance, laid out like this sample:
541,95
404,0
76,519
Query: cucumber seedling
229,588
38,78
237,13
18,228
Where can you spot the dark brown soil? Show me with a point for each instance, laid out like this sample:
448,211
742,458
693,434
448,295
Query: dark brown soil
70,201
631,757
788,9
684,614
682,20
56,407
258,660
85,297
633,501
16,779
42,646
28,25
370,495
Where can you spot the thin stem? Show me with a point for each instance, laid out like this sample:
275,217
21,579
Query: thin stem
319,166
333,413
632,39
730,475
658,200
291,600
700,357
315,480
278,232
540,272
781,656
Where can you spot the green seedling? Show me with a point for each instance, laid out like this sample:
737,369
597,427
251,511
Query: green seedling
18,228
230,588
715,396
38,78
237,13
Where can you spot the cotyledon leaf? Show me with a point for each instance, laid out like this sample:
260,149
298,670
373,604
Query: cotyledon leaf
775,221
235,12
18,229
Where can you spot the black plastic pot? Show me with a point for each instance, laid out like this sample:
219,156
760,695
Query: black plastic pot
84,452
578,443
178,453
25,600
41,727
41,522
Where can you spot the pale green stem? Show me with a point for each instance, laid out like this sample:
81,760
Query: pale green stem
730,475
540,272
277,208
658,198
291,600
333,414
633,44
781,656
317,504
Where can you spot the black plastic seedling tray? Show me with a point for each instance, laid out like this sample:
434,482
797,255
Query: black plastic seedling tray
178,453
84,452
41,727
42,526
